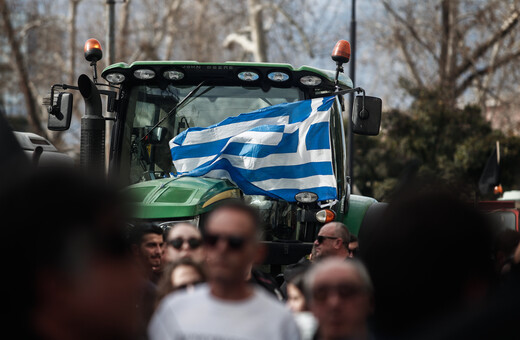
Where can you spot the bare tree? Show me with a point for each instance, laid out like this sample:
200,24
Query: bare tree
19,67
455,46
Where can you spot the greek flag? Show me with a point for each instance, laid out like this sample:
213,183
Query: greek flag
276,151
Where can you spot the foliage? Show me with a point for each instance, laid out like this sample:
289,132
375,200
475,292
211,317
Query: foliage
432,139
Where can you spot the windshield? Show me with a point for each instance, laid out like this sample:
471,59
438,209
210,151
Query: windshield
151,158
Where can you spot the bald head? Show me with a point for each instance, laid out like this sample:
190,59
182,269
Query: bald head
353,270
333,239
339,294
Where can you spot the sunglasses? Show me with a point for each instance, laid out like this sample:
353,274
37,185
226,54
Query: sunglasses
344,291
354,251
233,242
193,242
321,238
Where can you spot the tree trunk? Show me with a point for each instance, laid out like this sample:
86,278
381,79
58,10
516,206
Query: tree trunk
18,64
257,31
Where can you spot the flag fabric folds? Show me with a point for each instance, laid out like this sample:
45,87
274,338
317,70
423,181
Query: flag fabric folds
276,151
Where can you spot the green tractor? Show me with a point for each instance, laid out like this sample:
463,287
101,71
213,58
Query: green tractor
151,102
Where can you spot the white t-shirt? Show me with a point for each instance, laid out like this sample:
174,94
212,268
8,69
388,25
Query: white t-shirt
198,315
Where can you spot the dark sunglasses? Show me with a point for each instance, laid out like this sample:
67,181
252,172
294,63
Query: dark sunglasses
193,242
321,238
354,251
344,291
233,242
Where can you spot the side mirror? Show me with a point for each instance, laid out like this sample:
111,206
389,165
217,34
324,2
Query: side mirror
59,119
366,119
156,136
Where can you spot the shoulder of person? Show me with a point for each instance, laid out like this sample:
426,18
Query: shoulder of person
270,302
182,298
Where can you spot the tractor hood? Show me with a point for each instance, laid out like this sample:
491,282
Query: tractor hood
178,198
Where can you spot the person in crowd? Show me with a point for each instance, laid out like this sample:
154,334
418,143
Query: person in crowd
146,242
505,244
419,277
183,240
340,294
296,301
264,280
297,304
353,246
75,277
183,273
147,246
233,309
332,240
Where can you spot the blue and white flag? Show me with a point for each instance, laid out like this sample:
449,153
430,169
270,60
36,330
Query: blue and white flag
276,151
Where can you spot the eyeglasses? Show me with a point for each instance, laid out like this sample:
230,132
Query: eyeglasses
321,238
233,242
193,242
344,291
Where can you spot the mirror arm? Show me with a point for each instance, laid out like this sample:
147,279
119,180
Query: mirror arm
51,107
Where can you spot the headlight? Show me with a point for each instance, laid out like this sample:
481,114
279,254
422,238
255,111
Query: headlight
144,74
310,80
278,76
306,197
173,75
248,76
115,78
325,216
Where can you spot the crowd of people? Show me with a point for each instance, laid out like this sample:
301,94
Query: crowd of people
429,267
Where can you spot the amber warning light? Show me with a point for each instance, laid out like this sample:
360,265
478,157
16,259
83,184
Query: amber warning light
341,52
93,51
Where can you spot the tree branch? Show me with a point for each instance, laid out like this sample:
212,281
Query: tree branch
295,24
410,29
500,62
240,39
21,70
408,59
505,29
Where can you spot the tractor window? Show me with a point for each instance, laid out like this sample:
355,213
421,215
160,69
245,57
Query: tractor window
150,159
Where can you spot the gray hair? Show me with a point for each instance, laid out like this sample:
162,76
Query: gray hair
338,263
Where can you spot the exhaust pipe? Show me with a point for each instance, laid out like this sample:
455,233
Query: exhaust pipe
92,147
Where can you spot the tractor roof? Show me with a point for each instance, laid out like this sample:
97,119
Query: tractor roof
195,71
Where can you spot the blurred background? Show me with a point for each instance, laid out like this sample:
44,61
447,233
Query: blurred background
447,70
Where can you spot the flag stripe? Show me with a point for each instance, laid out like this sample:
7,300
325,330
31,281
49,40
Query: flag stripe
272,172
277,151
248,162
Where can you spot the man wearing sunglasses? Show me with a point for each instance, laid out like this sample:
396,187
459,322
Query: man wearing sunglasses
332,240
339,294
227,307
184,240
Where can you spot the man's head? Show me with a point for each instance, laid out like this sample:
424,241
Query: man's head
332,240
428,254
75,274
147,245
231,241
339,294
184,240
